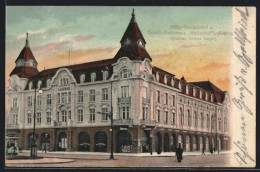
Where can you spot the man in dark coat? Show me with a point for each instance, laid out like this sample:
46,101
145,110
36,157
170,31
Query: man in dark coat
179,152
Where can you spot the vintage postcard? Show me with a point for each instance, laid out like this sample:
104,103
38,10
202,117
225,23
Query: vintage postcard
127,86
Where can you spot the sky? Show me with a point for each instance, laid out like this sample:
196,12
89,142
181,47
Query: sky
194,42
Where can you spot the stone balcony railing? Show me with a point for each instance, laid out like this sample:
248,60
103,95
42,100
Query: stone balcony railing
68,123
14,109
123,121
145,100
124,100
12,126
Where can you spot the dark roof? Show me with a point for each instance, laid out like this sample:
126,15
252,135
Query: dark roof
24,71
26,54
133,52
133,32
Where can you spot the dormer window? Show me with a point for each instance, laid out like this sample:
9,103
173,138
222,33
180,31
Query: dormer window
200,94
127,41
39,84
15,88
64,81
157,76
165,79
194,91
140,42
187,89
180,85
125,74
105,75
30,85
93,77
19,63
172,82
48,82
212,97
206,96
145,75
82,78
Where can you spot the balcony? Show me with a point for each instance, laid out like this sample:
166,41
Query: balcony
14,109
124,100
123,121
12,126
145,100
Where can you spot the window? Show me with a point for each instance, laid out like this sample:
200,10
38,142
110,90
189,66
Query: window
82,78
29,118
38,117
69,97
92,95
173,100
58,98
187,89
93,77
173,118
30,85
48,82
180,86
125,91
181,117
80,96
212,97
69,117
48,117
189,118
39,84
14,102
219,124
200,93
15,88
104,114
105,75
145,112
172,82
104,94
63,116
166,99
157,76
165,79
58,116
124,74
158,116
39,100
124,111
202,120
196,118
225,124
145,94
64,81
145,75
48,99
206,96
63,98
15,118
92,115
194,91
80,115
166,117
158,96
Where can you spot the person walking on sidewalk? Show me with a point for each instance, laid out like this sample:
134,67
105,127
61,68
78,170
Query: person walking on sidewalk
179,152
203,150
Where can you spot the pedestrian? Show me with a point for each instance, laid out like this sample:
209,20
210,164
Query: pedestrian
214,149
179,152
45,148
203,150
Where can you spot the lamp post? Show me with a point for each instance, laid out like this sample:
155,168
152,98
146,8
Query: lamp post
34,146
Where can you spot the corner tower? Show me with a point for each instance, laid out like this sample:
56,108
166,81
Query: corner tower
133,43
26,65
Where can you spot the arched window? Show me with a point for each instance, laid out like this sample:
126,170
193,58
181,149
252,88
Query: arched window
30,85
219,124
202,120
82,78
48,82
165,79
39,84
125,74
145,75
189,118
172,82
200,94
225,124
208,121
157,76
194,91
196,118
64,81
206,96
93,77
181,117
187,89
180,85
105,75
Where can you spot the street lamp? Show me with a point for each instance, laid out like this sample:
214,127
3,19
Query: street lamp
110,116
34,146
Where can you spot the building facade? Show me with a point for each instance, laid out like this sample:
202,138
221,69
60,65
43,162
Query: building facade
152,109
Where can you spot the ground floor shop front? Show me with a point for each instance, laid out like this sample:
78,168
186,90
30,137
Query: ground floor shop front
136,139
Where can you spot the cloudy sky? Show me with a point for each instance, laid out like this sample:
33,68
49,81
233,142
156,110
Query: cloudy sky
194,42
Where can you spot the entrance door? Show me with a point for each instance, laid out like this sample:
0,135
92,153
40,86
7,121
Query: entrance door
124,142
159,143
181,141
100,142
174,141
45,140
166,143
84,142
62,144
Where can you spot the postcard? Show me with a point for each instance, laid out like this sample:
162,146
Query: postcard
130,86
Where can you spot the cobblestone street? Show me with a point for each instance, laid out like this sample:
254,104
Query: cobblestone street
102,160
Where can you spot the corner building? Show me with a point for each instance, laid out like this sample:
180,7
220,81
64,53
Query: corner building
151,107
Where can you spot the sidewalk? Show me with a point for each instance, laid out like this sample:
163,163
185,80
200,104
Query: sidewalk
163,154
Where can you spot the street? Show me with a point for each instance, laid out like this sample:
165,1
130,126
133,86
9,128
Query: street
101,160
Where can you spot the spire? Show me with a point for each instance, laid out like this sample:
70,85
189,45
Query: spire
27,41
133,16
